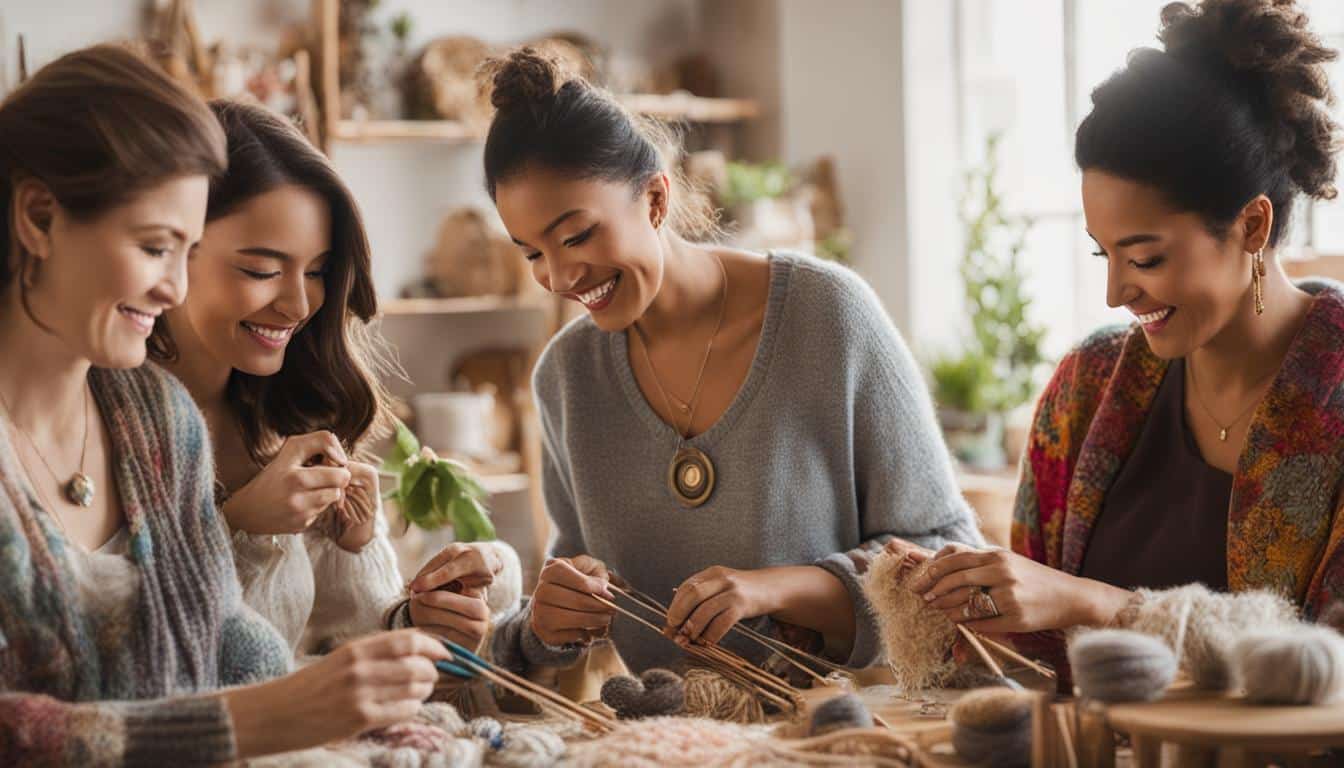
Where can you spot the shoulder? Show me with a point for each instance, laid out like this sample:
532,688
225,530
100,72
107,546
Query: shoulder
825,286
574,354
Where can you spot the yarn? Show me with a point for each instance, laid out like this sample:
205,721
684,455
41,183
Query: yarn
486,729
443,716
1298,665
656,692
711,695
1115,665
839,713
992,726
917,638
526,746
1203,644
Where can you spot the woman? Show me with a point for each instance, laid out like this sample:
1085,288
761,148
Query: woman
274,345
1206,442
120,611
728,432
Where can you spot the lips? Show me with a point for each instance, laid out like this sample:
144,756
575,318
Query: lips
1156,320
269,336
597,297
142,320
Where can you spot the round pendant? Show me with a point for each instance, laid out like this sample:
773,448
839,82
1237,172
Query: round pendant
80,490
690,477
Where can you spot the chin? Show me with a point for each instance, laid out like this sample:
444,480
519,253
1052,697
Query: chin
262,366
121,355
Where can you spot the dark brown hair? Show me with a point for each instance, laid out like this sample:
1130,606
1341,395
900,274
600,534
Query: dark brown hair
98,127
546,117
331,374
1233,107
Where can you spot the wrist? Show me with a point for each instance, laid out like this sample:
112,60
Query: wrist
1099,603
256,730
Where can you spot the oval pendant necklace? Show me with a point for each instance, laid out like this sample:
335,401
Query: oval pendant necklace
79,489
690,475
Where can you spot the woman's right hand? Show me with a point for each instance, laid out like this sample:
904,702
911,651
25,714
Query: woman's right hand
563,610
367,683
307,476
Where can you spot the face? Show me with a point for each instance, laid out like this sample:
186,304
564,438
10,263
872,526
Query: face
100,283
590,241
1183,284
257,277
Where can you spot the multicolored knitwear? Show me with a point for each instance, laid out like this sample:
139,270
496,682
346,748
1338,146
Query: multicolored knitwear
1284,529
81,688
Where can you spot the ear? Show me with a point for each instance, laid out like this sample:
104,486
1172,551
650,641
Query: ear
658,193
1255,223
33,212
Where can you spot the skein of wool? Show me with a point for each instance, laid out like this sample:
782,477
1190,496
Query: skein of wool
659,741
1203,644
1115,665
992,726
711,695
1298,665
917,638
526,746
839,713
654,693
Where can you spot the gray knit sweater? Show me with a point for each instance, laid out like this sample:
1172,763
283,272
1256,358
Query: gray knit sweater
829,447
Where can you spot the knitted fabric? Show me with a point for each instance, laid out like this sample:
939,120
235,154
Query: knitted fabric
1283,533
116,689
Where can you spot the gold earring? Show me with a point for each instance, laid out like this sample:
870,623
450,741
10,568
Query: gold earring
1257,282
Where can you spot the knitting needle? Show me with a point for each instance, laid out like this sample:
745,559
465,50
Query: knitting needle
514,682
974,640
1004,650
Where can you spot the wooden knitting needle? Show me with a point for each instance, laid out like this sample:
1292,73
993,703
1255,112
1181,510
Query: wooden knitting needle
980,649
513,682
1004,650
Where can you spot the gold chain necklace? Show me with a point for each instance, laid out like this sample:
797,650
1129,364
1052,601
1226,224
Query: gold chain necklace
79,489
690,476
1199,397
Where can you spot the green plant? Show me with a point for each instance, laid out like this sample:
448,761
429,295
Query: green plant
961,382
433,492
747,182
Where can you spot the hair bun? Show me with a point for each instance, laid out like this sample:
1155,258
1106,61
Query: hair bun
526,80
1265,49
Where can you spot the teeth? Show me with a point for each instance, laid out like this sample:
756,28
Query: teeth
598,293
269,333
137,313
1153,317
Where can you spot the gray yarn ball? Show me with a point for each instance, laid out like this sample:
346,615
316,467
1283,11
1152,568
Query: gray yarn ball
657,692
847,711
992,726
1115,665
1298,665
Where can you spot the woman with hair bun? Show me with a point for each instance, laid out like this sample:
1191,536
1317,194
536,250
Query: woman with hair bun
1205,442
731,432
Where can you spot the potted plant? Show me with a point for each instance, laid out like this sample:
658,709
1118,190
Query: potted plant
434,492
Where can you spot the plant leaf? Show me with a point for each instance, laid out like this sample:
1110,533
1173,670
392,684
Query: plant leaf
403,447
470,521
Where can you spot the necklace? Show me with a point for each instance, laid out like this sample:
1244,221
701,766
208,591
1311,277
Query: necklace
1222,430
690,475
79,489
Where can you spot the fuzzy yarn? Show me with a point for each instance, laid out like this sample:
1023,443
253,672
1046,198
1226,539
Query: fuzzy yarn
917,639
1297,665
846,711
1202,626
1115,665
992,726
711,695
654,693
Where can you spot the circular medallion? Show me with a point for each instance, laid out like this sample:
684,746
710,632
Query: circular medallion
690,477
80,490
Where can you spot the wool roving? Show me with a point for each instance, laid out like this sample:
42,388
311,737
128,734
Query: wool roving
1291,665
1115,665
711,695
656,692
844,711
917,639
992,726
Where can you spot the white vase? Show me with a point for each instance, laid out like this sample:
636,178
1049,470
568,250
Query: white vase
455,423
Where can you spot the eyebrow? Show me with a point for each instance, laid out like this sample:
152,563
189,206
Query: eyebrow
269,253
558,220
177,234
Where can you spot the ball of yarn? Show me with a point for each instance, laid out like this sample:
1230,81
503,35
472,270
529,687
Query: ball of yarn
709,694
443,716
992,726
486,729
526,746
917,638
1115,665
1301,665
656,692
847,711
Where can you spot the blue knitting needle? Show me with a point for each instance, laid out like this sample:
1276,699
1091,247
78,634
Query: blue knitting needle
455,670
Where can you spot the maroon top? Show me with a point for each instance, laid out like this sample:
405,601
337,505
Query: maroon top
1164,521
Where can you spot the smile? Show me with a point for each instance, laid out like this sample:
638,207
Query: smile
599,297
273,337
143,321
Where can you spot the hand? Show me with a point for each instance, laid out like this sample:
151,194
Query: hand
290,492
461,616
709,603
363,503
368,683
1029,596
470,564
563,610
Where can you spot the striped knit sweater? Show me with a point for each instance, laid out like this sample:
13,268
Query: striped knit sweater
124,690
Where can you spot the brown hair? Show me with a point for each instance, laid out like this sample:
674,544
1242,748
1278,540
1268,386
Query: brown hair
547,117
97,127
331,374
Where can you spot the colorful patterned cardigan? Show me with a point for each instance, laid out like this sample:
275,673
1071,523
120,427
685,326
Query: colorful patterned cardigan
1284,528
82,689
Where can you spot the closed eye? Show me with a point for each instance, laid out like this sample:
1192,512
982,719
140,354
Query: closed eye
580,238
255,275
156,252
1152,263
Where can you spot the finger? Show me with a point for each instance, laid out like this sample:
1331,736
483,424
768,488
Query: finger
365,474
555,596
469,608
300,449
720,626
315,502
399,671
690,594
562,572
953,599
468,636
704,613
944,565
554,619
591,566
404,642
469,567
974,577
314,478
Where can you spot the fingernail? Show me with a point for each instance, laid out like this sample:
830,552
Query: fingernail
929,596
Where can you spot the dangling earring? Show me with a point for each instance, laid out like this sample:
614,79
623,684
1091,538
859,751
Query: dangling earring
1257,280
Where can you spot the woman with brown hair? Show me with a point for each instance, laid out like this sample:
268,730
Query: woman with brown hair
274,345
119,607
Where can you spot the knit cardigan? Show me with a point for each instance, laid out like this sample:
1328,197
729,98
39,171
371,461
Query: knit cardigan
124,690
1284,529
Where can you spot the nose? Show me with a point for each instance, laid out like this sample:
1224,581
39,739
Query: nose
293,300
1118,292
564,276
172,289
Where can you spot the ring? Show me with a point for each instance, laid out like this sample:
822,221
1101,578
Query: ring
981,604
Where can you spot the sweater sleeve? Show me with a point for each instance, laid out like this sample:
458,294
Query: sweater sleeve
351,590
905,487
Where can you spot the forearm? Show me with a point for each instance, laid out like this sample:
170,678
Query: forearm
814,598
1096,603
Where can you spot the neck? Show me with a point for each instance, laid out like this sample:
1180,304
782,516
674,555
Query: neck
691,292
43,381
1252,347
206,378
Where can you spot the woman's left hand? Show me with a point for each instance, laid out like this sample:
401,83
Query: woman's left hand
359,508
1023,594
709,603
